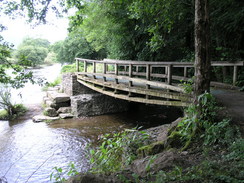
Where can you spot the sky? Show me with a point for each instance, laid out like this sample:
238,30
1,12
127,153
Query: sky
17,29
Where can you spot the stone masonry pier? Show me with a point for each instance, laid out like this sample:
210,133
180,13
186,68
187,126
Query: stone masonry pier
86,102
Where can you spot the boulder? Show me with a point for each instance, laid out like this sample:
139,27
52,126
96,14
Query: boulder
51,112
41,118
165,161
151,149
64,110
66,115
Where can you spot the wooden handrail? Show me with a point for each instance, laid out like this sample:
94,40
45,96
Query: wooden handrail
161,63
129,64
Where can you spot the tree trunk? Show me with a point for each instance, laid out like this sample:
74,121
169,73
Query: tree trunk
202,39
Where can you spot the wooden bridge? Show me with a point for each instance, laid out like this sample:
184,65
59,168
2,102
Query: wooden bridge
140,81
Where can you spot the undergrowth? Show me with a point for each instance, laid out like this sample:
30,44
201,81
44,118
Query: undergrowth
116,150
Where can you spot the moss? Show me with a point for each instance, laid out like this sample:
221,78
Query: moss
174,140
151,149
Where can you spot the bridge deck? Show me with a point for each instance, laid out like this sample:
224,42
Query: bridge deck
156,94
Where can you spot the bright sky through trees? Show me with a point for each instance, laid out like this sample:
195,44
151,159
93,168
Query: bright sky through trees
17,29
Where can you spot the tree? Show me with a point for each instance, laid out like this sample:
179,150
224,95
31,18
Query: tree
75,45
202,41
34,50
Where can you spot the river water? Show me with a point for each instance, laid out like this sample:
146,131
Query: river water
29,151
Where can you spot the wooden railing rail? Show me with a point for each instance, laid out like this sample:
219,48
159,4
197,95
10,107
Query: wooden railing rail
145,68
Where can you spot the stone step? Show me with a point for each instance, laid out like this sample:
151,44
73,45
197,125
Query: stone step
42,118
64,110
66,115
58,97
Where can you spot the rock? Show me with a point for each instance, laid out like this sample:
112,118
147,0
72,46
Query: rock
51,112
92,178
41,118
64,110
58,97
49,103
96,104
45,99
160,133
58,105
162,161
66,115
151,149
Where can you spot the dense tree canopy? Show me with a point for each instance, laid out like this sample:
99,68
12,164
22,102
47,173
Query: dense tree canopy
158,30
139,29
33,50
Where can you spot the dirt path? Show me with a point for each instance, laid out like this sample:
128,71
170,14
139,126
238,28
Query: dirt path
234,102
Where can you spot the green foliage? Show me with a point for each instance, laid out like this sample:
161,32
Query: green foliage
12,110
11,74
222,134
194,122
75,45
208,171
223,168
69,68
188,86
56,82
60,175
33,50
3,114
116,150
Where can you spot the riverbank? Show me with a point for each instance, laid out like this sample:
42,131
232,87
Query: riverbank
197,148
158,163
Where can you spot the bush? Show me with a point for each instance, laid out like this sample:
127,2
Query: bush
3,115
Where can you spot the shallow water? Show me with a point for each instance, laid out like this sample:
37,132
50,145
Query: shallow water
29,151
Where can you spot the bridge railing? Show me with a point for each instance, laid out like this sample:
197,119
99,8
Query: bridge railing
162,71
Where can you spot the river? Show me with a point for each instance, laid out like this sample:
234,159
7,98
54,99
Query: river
29,151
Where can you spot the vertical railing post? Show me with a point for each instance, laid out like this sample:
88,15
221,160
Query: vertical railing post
104,71
148,77
130,70
234,75
185,72
169,77
116,79
94,67
77,65
116,69
85,66
104,68
148,74
130,75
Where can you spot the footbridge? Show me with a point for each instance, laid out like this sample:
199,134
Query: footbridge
157,83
